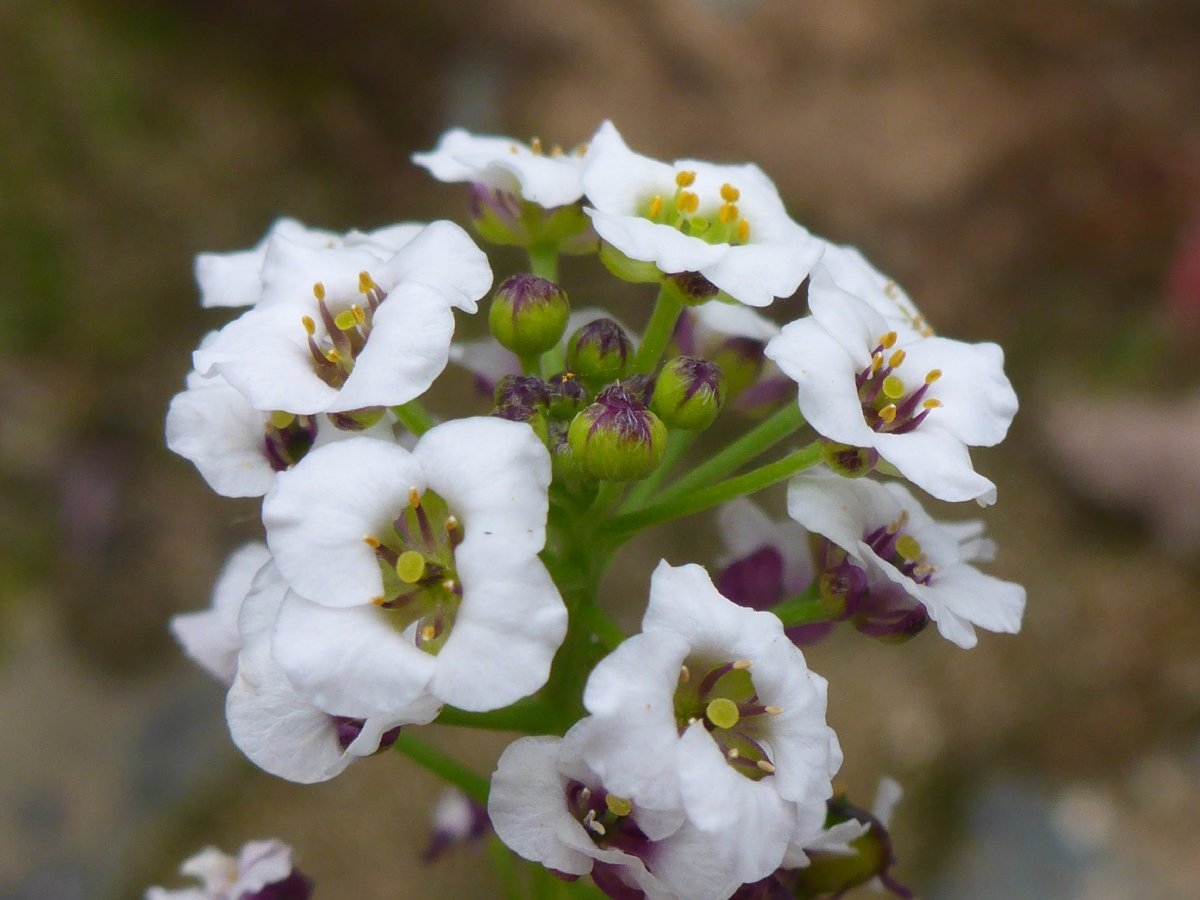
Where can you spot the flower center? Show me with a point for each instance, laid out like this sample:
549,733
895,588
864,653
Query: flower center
890,542
343,334
888,404
716,224
286,438
726,701
605,817
416,557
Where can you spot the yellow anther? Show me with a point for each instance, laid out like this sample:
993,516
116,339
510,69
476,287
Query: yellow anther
514,149
449,585
729,193
556,150
366,283
743,231
897,359
428,632
908,547
728,213
932,403
733,753
876,362
893,387
656,206
378,601
360,314
618,806
686,178
589,822
332,355
685,675
722,712
773,710
922,569
765,766
371,541
536,146
344,320
410,567
889,340
888,413
281,419
693,720
309,325
452,524
319,291
687,202
932,375
582,149
414,497
741,665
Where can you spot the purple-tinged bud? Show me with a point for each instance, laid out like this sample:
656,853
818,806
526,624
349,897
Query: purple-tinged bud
830,873
617,438
600,352
528,314
522,390
690,288
640,387
742,361
457,819
496,216
530,415
297,886
356,419
562,459
689,393
847,461
501,217
568,395
349,729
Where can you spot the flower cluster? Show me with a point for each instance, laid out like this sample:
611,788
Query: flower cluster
421,568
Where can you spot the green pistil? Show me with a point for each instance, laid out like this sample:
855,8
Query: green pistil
726,701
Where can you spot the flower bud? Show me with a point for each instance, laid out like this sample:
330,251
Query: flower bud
834,873
689,393
617,438
567,395
600,352
847,461
356,419
690,288
640,387
562,459
522,390
741,359
530,415
528,314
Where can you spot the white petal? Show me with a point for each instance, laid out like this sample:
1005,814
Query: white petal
442,256
735,320
756,274
671,250
938,462
978,400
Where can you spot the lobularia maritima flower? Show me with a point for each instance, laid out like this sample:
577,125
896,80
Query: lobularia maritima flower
417,567
724,223
873,382
712,711
262,870
898,561
341,329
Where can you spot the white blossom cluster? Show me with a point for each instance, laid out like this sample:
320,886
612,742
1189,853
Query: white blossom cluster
411,565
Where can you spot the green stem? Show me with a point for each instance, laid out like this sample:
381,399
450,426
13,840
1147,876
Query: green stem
466,780
722,492
752,444
667,309
543,262
528,716
677,444
805,608
414,417
604,628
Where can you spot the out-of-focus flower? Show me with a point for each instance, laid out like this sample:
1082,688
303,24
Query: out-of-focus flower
262,870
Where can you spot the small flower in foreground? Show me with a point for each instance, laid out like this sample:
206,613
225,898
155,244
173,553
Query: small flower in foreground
520,194
920,402
421,572
262,870
899,564
211,637
341,329
713,710
725,223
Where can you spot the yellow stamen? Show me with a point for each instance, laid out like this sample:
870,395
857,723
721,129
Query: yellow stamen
897,359
556,150
514,149
685,675
360,314
452,524
888,413
414,497
309,325
743,231
876,362
378,601
449,585
656,206
765,766
366,283
536,146
741,665
733,753
371,541
685,178
932,375
728,213
618,806
773,710
333,356
319,291
932,403
687,202
889,340
730,194
582,149
428,633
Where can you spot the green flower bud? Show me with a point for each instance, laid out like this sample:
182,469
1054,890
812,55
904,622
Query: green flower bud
530,415
690,288
847,461
834,873
568,396
600,352
528,314
689,393
504,218
635,270
741,359
617,438
563,463
521,390
356,419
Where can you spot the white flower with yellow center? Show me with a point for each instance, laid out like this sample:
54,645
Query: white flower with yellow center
340,329
417,572
722,223
908,560
712,710
919,402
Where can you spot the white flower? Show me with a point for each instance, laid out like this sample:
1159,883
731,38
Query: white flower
843,268
549,806
417,571
235,279
909,560
259,864
712,709
283,732
919,402
211,637
340,329
238,449
726,223
547,179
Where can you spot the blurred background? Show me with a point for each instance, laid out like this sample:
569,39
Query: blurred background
1029,171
